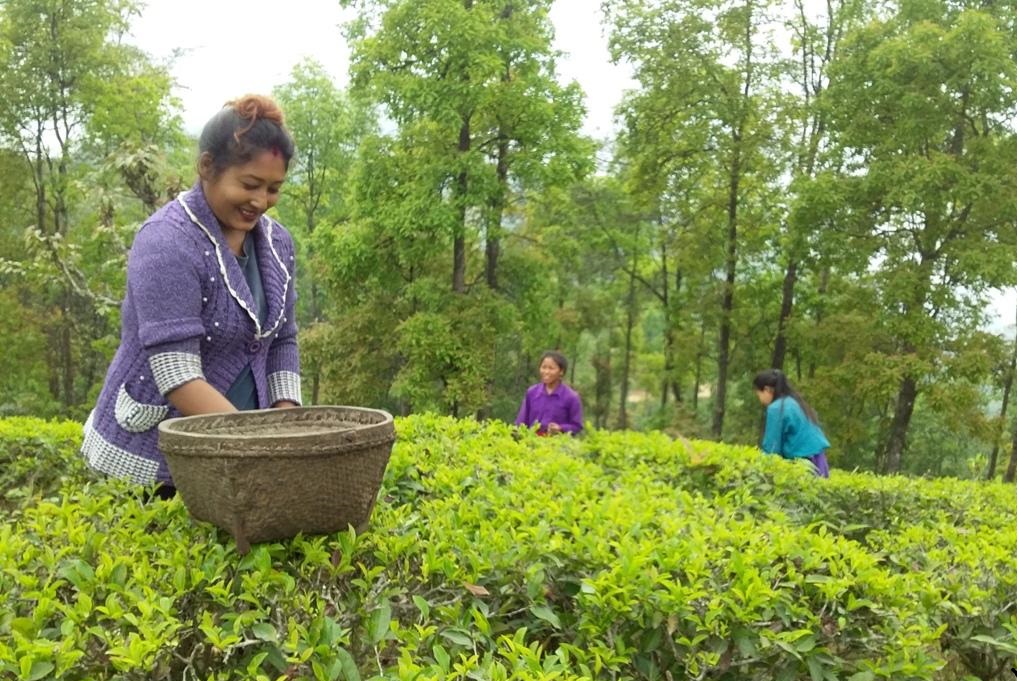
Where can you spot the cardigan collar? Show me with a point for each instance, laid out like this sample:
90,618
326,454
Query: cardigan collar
275,278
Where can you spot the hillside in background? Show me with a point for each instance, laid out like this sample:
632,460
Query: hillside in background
617,555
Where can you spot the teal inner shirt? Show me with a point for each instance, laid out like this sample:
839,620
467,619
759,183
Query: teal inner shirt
243,394
790,433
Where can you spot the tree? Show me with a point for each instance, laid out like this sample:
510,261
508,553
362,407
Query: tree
481,122
1008,377
328,128
922,103
708,81
66,78
815,48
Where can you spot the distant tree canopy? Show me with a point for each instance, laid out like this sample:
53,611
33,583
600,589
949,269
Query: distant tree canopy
828,191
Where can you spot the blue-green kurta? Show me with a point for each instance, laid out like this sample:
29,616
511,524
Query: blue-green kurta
790,433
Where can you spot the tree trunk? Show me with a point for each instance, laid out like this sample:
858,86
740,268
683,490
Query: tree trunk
315,385
676,387
459,238
492,250
786,306
493,246
824,284
727,301
1007,386
699,366
1011,469
66,354
39,179
897,441
94,365
314,308
630,322
994,456
462,185
602,386
670,382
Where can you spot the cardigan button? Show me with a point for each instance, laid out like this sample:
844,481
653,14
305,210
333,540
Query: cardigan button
254,347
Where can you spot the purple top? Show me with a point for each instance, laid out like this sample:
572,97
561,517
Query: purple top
562,406
189,314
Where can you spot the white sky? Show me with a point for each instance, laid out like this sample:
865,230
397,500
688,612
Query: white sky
231,47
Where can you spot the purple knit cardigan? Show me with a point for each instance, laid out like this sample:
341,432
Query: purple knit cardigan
189,314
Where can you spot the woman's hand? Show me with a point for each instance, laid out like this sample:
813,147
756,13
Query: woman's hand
554,429
198,397
284,404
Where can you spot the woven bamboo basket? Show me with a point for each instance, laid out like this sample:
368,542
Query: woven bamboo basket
271,474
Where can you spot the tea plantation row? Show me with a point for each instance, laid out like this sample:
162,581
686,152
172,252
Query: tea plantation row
615,556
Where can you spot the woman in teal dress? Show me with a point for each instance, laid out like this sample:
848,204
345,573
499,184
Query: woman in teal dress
792,428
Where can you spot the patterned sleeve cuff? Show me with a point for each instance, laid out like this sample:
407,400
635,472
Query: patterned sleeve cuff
172,369
284,385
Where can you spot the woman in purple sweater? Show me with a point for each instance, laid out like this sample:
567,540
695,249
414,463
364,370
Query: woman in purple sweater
551,405
208,322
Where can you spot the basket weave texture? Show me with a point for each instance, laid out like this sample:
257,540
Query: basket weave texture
271,474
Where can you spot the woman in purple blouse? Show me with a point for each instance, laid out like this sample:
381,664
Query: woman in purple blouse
551,405
207,323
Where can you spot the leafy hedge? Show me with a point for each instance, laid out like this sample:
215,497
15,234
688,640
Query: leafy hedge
36,459
618,555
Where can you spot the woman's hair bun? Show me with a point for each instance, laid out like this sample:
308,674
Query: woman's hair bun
257,107
243,127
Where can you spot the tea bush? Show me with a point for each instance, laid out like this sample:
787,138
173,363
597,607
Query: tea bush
36,459
959,536
494,556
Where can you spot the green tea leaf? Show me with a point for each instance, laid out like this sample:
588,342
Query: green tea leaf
347,664
996,643
441,656
545,613
378,624
39,670
423,606
265,632
255,664
457,636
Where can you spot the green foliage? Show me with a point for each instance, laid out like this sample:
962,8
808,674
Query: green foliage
428,264
328,128
36,458
701,140
847,195
88,119
500,555
925,97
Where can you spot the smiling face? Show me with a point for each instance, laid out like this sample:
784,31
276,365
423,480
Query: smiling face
550,373
240,194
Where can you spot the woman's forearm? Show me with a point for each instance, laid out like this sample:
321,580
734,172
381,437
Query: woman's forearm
199,397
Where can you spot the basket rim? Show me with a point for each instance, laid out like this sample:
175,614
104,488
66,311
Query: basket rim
168,428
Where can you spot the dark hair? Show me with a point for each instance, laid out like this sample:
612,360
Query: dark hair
241,129
775,378
558,358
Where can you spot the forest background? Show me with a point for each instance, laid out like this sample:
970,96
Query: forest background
828,188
